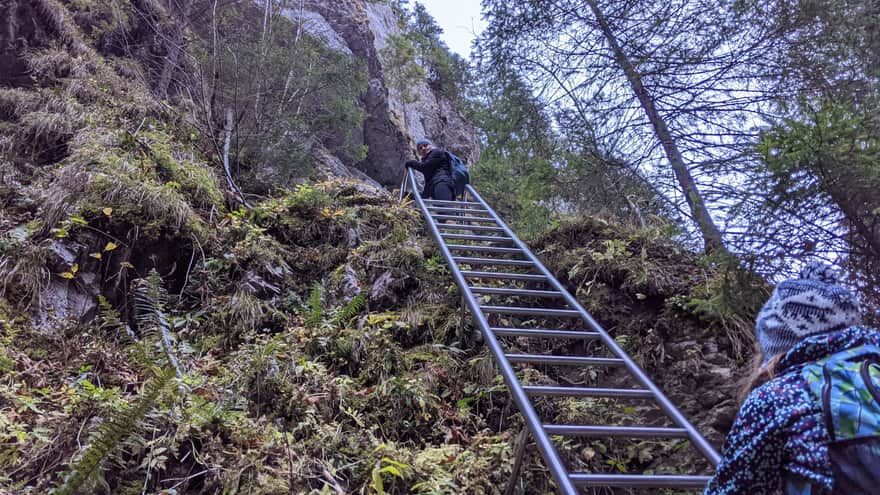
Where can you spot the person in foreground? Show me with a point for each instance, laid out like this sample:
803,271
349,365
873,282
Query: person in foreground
811,423
436,168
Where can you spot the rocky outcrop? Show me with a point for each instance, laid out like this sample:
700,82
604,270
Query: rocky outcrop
19,31
330,166
362,28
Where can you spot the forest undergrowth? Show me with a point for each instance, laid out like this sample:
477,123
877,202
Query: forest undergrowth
156,339
319,348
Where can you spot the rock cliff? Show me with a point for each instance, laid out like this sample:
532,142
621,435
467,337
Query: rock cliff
362,29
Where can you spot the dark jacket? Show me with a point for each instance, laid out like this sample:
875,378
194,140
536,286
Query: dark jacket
779,435
436,168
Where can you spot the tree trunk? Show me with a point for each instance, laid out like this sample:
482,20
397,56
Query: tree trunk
230,123
175,50
711,235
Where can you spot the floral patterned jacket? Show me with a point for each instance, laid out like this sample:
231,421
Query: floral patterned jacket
779,437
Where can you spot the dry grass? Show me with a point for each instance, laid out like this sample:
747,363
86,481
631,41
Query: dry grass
46,127
99,173
66,189
245,311
24,273
61,21
87,76
45,119
50,65
14,100
155,202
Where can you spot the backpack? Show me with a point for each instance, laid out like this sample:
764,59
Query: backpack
459,172
847,385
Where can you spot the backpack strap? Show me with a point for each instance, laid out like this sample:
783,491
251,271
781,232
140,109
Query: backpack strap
450,162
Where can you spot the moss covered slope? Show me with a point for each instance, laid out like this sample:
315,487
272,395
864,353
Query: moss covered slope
320,343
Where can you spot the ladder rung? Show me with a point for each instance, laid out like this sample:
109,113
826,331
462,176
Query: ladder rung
548,391
440,202
515,310
639,480
558,334
563,360
615,431
504,291
456,210
463,219
471,237
484,249
490,261
496,248
460,226
503,275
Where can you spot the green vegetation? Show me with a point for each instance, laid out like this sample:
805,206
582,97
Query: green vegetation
309,372
299,93
824,169
156,337
447,73
746,124
403,72
515,173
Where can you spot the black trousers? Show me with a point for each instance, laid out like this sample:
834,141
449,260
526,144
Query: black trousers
442,191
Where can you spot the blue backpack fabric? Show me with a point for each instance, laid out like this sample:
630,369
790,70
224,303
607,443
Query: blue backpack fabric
460,174
847,385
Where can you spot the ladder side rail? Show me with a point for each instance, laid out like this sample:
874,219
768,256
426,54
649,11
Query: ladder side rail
533,422
665,404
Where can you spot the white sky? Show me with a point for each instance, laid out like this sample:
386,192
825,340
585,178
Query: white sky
460,20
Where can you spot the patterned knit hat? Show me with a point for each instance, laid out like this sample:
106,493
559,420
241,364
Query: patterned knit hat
423,141
810,305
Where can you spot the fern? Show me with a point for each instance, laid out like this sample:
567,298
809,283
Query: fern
351,309
316,308
110,433
150,297
109,321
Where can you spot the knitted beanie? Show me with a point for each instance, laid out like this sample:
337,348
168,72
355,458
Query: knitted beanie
813,304
423,141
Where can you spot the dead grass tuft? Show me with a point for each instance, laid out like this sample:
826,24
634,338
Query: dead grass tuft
50,65
47,127
24,273
153,201
245,311
60,20
14,100
59,199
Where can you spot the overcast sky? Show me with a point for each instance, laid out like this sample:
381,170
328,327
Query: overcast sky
460,20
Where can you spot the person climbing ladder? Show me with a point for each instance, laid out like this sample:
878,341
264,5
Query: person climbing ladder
811,422
436,168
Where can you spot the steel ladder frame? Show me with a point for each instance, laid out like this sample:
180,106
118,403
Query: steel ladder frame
566,482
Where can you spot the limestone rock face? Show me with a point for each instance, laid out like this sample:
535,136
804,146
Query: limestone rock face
362,28
332,167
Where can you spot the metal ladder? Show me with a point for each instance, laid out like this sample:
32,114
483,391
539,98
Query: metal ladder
493,244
